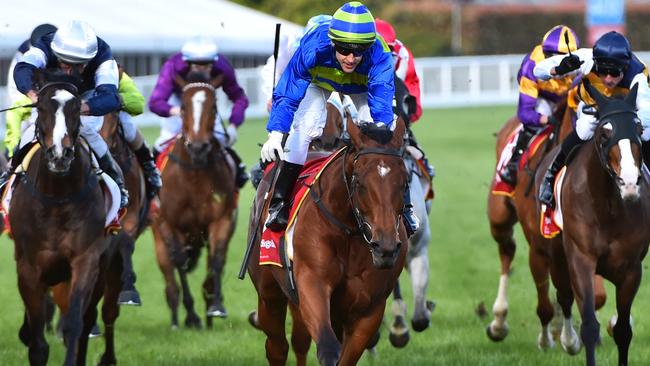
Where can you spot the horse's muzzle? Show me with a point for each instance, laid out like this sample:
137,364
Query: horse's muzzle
199,150
384,256
59,165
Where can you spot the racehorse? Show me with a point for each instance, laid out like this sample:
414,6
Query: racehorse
349,247
503,213
135,220
605,205
197,203
68,248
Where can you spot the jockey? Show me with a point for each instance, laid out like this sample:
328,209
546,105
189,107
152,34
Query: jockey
76,50
199,54
346,56
611,68
538,97
405,70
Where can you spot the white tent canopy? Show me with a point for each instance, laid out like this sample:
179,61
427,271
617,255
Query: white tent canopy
143,26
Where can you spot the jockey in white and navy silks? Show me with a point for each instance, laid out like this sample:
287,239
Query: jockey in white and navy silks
345,56
75,49
539,98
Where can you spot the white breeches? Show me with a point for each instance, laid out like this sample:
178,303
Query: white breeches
128,126
171,126
309,121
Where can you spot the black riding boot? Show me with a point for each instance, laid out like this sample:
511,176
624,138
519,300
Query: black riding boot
241,176
411,221
280,205
509,175
15,161
151,173
546,189
110,167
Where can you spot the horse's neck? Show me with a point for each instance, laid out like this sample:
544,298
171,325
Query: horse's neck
51,184
334,192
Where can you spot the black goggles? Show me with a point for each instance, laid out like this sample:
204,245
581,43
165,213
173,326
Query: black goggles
604,70
358,52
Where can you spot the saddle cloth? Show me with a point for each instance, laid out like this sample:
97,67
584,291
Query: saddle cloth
500,187
551,222
109,188
270,240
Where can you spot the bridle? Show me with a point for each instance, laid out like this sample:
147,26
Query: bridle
620,131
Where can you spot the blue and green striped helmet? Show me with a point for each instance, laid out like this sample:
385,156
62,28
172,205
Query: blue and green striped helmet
352,24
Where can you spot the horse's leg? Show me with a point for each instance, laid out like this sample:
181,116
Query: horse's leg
625,292
315,309
399,331
582,270
192,319
502,218
418,268
272,312
300,339
85,271
89,320
357,336
32,331
220,233
110,308
166,266
560,276
129,294
538,262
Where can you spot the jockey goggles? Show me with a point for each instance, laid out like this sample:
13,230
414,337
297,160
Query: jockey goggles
604,70
356,50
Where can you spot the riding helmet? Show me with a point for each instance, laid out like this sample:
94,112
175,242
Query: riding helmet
75,42
200,49
612,49
353,26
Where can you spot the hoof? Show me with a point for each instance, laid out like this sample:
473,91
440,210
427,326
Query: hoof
107,361
497,336
572,349
373,342
193,322
419,325
129,297
399,340
95,332
217,311
252,320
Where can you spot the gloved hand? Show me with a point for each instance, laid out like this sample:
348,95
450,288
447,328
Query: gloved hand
272,146
231,131
569,63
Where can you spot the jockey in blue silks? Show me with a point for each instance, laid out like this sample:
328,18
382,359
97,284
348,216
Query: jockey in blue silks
345,56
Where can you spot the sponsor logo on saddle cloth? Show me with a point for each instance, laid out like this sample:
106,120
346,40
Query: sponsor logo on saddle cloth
551,220
109,188
270,242
499,187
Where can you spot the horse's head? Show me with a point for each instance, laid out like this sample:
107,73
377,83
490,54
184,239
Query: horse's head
376,186
618,141
199,112
59,119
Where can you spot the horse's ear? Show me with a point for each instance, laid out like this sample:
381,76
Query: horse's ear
180,81
217,81
630,98
398,134
594,93
353,130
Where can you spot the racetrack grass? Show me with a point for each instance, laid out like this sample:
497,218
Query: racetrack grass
464,272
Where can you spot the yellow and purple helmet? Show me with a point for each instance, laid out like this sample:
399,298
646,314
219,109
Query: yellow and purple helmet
353,25
554,41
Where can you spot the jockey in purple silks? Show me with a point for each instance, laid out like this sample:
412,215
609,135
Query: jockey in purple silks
539,98
199,54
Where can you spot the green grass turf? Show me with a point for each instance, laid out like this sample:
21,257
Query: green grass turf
464,272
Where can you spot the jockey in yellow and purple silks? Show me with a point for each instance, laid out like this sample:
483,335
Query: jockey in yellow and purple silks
539,98
611,68
346,56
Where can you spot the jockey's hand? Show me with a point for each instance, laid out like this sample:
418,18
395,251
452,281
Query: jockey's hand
272,146
33,96
569,63
175,111
231,131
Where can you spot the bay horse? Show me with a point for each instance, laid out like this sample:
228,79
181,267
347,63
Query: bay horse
135,221
197,203
349,247
69,248
503,213
605,203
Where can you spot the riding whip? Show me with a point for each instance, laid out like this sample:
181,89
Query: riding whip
274,173
19,106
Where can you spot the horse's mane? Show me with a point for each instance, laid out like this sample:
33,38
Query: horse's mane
380,134
43,77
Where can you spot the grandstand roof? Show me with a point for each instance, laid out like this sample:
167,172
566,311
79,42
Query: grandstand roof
145,26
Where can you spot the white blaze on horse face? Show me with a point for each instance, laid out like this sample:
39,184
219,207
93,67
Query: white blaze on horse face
60,128
197,107
383,169
629,171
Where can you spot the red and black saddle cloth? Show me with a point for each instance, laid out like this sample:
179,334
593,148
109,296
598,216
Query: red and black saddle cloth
500,187
272,243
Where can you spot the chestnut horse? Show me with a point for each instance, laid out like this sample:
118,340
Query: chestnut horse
349,247
605,203
503,213
68,248
197,204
